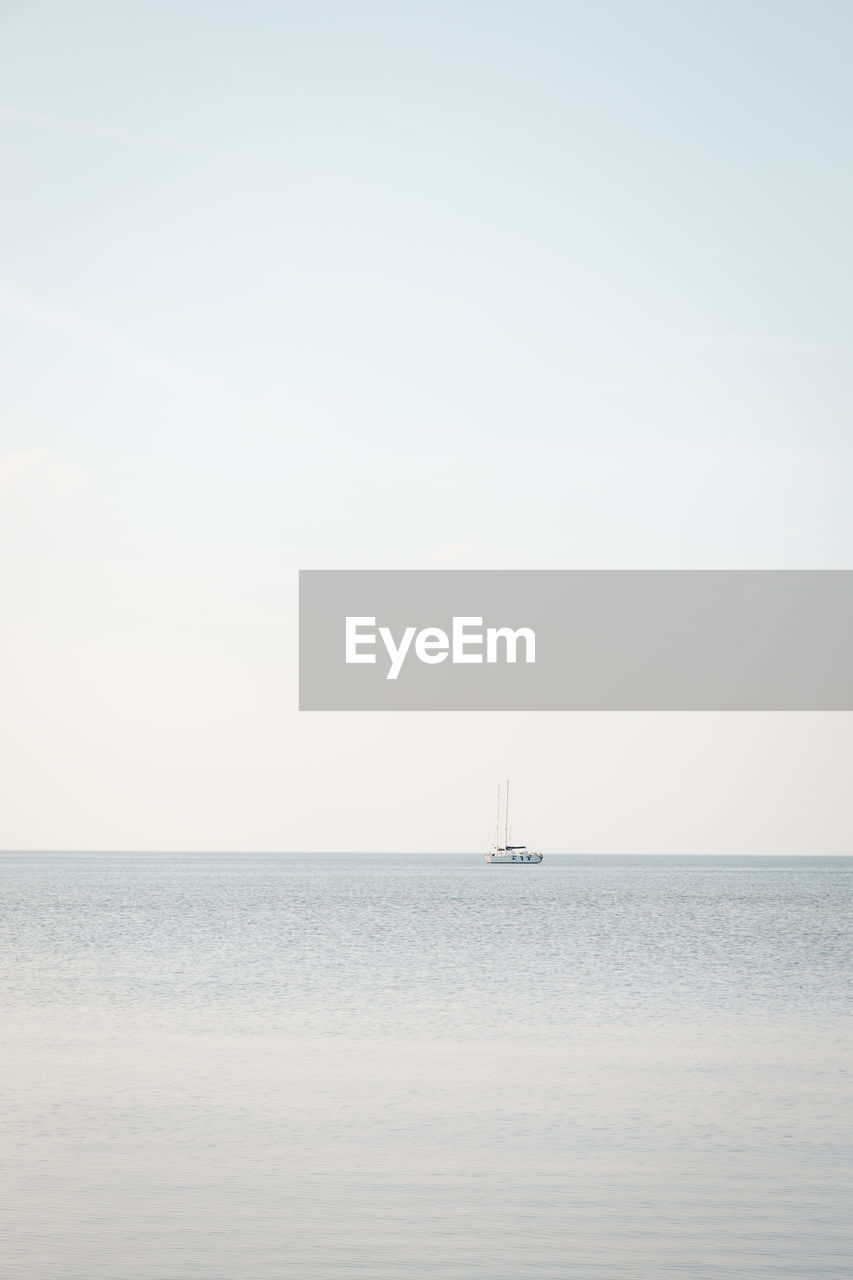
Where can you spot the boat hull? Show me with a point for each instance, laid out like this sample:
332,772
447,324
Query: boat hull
512,859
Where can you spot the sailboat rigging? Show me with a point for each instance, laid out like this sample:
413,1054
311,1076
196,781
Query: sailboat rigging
506,854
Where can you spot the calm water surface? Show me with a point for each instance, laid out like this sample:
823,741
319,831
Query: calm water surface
321,1067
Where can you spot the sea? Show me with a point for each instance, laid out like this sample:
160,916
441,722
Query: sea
401,1067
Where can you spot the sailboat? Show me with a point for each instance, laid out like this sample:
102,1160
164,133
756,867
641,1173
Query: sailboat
507,854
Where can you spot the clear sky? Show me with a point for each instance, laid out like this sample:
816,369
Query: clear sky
381,285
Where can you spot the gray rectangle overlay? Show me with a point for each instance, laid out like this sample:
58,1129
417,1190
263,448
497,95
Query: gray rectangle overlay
649,640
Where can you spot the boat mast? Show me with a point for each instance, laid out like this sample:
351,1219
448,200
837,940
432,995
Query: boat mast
506,828
498,822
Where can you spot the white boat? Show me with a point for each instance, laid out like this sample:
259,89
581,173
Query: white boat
507,854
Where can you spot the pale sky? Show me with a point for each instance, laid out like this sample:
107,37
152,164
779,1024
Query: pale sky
375,285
